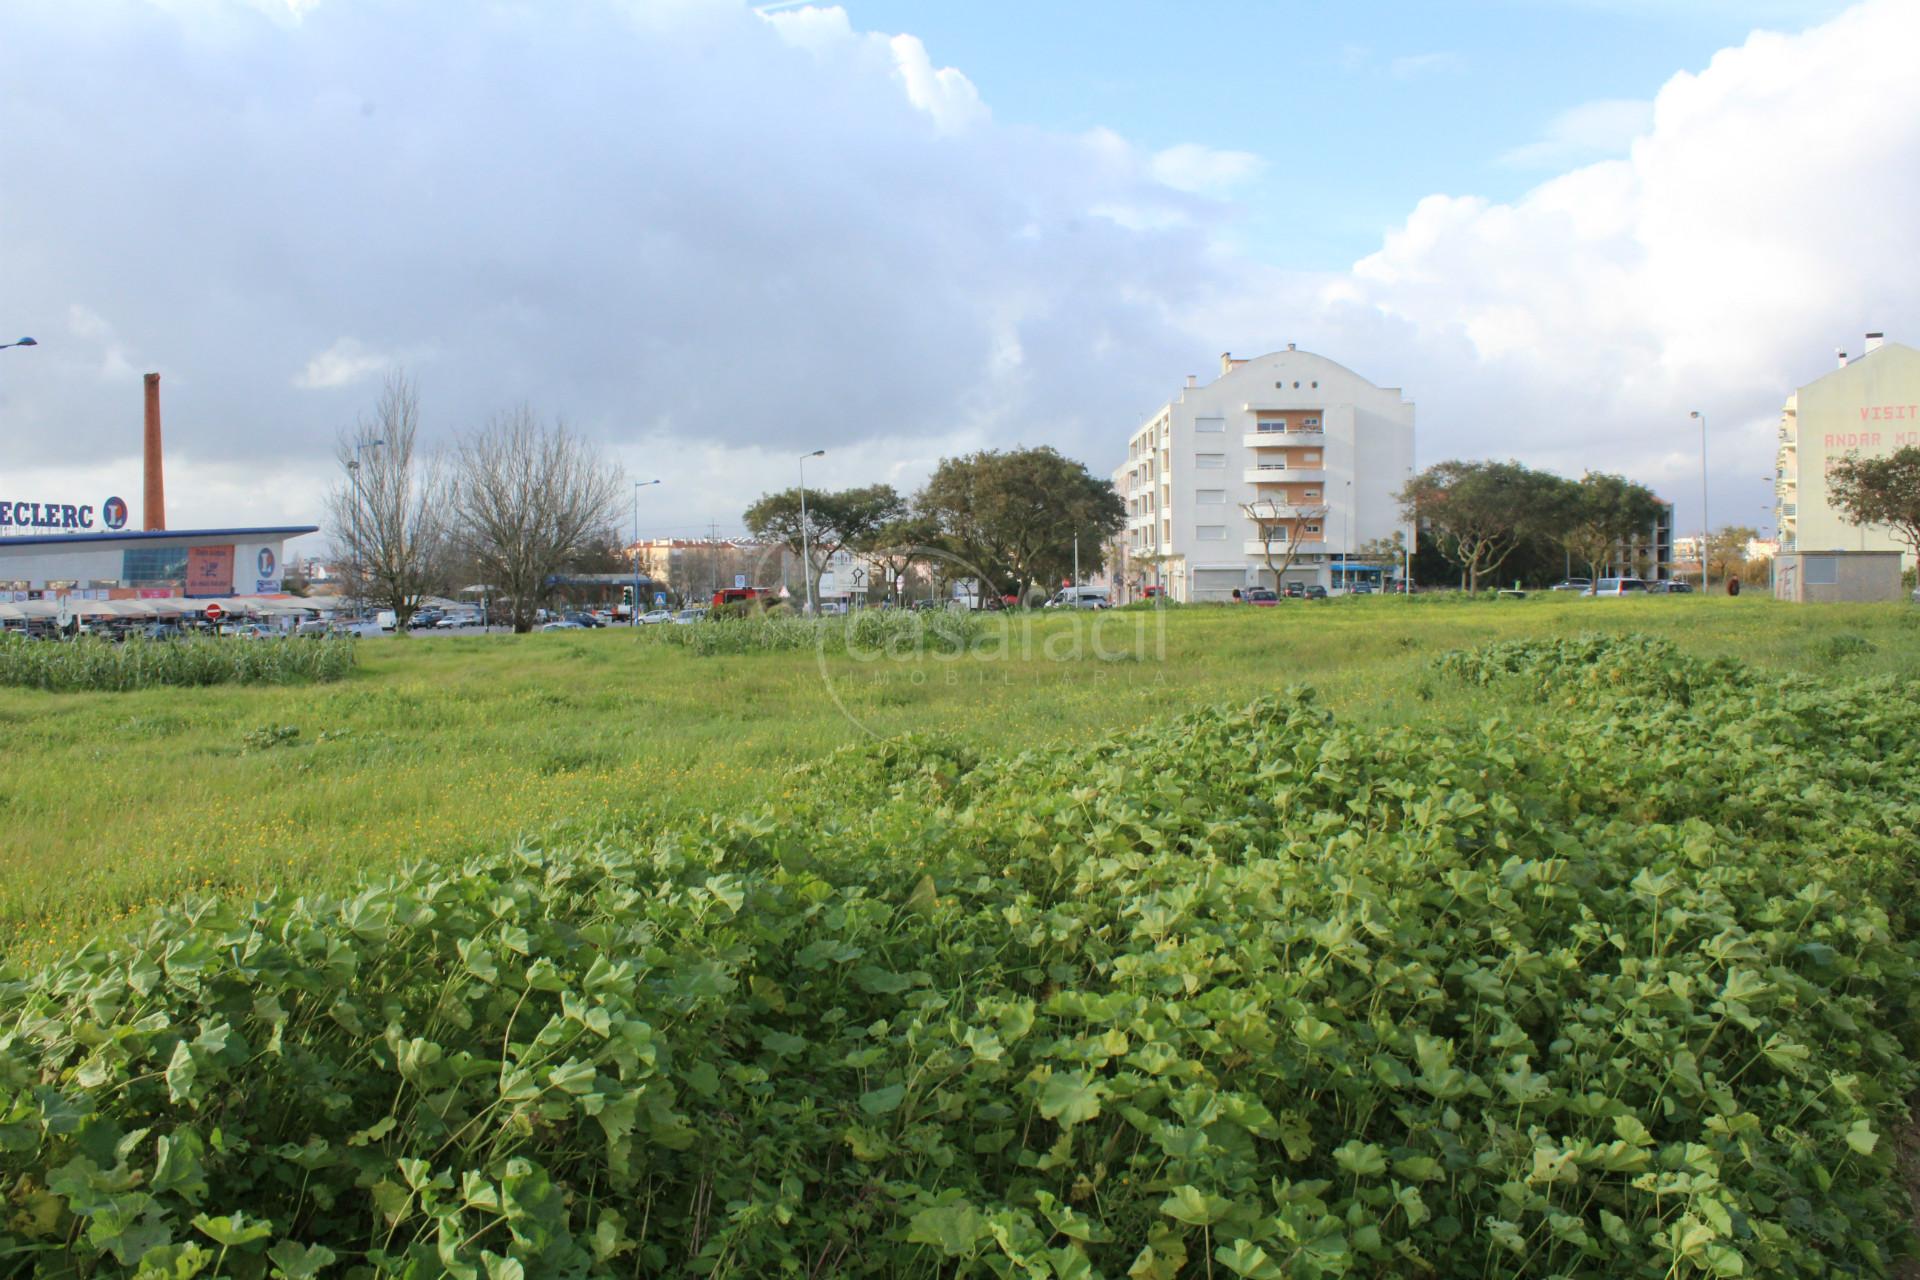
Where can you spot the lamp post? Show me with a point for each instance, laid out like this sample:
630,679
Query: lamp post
633,611
806,554
21,342
1706,525
1346,544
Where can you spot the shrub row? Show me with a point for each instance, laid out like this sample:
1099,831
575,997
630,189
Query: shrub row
1250,994
95,664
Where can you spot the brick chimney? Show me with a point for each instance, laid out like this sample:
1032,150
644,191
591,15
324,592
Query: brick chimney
153,506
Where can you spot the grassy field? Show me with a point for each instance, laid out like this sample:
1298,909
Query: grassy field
442,747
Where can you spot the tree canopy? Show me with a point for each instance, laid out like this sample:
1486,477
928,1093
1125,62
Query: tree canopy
1880,491
1013,516
1481,512
846,519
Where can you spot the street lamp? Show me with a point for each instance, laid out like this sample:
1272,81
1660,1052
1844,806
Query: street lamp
806,556
23,342
1706,525
633,613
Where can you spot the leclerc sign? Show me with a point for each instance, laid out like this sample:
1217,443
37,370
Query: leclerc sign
110,515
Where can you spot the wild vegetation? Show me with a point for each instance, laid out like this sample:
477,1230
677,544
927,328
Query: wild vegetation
99,665
1620,988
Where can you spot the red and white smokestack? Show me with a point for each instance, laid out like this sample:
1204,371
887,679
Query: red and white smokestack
1841,356
153,507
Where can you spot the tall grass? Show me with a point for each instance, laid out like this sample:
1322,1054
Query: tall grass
93,665
891,631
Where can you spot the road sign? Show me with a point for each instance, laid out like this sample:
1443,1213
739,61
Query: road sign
739,581
215,612
659,598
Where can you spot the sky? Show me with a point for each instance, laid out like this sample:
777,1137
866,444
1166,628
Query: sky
713,237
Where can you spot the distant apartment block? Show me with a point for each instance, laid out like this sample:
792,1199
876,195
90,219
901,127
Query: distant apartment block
1316,451
1870,406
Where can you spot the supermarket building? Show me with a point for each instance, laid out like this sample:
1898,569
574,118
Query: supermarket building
143,564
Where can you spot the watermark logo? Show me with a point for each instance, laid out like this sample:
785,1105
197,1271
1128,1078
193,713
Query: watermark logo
929,620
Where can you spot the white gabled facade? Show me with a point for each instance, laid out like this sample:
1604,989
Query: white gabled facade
1868,406
1291,428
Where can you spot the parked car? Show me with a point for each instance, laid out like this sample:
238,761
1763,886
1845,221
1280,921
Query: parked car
687,617
1260,596
583,619
358,628
425,619
1617,587
1294,590
456,620
564,624
1080,598
162,631
1572,584
1314,591
1669,588
250,631
655,616
314,628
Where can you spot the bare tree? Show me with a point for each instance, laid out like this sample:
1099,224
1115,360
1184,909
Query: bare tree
389,515
1272,518
530,498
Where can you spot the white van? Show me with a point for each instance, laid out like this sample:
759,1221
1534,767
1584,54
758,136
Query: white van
1081,598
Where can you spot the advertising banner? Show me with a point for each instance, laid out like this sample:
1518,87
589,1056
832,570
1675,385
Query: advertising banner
210,571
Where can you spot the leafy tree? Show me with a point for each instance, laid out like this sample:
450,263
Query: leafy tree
1727,550
896,545
1602,516
1481,512
1880,491
1014,516
836,521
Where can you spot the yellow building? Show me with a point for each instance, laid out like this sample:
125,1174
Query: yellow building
1869,405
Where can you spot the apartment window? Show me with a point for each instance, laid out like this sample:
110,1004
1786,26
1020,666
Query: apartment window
1210,532
1313,528
1270,424
1210,497
1210,461
1209,424
1311,493
1309,422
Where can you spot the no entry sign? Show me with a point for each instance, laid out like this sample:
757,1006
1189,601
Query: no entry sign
215,612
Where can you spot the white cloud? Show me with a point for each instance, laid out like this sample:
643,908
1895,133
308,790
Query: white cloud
344,363
1414,65
1203,170
1586,132
1759,221
713,239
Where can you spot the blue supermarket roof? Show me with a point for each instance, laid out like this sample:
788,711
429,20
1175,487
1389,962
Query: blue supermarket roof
154,535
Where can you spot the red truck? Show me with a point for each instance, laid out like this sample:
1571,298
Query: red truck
735,595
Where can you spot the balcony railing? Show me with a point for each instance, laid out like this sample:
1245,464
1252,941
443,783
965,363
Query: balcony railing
1283,475
1280,546
1282,439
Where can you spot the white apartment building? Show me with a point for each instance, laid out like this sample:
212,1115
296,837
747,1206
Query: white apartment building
1320,450
1870,406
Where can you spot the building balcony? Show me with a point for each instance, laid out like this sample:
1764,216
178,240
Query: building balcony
1312,542
1289,511
1284,475
1140,522
1282,439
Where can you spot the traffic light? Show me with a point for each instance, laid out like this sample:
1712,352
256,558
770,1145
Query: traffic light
626,596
